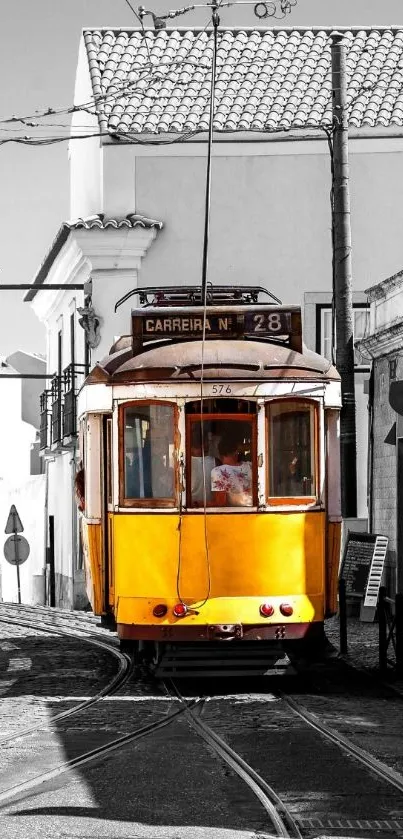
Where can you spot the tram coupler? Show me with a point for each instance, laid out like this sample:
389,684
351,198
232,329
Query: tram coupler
225,632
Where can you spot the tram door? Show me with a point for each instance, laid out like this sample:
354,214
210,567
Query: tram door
108,512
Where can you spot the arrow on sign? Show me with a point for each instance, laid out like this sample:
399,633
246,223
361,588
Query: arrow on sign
14,523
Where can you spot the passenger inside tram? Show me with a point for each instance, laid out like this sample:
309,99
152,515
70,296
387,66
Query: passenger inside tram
221,439
201,483
231,481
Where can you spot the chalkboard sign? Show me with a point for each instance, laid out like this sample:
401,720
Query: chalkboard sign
356,564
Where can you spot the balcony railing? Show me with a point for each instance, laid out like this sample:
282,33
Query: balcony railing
58,408
72,379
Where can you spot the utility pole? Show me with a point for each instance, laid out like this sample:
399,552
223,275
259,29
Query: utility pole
342,279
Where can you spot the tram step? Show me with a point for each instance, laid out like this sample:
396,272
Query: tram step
226,659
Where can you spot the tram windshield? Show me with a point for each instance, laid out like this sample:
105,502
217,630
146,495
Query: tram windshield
221,468
149,452
291,427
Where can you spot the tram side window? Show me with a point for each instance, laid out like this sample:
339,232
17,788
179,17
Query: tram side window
149,452
224,475
291,434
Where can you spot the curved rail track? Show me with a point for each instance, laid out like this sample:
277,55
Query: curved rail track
118,680
282,822
280,816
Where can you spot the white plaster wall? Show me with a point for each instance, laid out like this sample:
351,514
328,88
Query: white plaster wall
270,219
85,156
60,320
29,499
30,388
108,288
61,503
387,309
16,436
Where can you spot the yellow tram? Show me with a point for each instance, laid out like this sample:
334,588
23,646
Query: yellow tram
210,444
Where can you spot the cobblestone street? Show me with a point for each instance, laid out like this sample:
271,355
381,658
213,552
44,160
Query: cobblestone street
140,790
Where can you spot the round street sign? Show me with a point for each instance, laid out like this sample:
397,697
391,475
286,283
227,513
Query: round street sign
16,549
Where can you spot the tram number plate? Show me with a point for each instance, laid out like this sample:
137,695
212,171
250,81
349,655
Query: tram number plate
268,323
225,631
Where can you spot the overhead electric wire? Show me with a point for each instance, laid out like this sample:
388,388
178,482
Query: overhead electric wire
203,601
98,98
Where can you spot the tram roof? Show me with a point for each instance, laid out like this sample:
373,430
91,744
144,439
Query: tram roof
230,359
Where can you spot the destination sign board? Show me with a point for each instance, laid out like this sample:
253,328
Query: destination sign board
185,326
190,323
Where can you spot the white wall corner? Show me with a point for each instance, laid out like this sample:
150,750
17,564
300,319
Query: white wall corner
85,155
115,249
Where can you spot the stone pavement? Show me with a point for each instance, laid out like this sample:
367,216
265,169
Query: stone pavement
362,640
363,649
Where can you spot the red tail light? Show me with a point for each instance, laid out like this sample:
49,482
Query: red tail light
266,610
180,610
286,609
160,610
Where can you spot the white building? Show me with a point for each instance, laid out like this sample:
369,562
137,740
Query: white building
21,481
383,346
138,192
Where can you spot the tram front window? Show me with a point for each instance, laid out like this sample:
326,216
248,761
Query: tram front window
149,452
221,463
291,449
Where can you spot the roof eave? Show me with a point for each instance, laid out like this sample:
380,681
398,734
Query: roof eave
39,279
366,132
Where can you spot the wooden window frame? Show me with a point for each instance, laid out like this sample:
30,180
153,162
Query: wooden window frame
149,503
292,500
109,464
190,419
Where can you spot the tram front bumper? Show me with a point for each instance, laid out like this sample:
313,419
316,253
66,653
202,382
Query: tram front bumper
220,633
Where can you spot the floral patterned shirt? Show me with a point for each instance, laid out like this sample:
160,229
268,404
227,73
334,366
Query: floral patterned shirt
236,481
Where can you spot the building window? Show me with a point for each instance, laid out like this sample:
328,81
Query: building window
59,352
382,387
392,368
361,324
72,339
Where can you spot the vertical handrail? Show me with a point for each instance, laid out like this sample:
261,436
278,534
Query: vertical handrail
51,562
382,630
343,617
399,633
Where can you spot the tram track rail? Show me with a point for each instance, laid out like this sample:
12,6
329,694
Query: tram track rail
9,795
283,822
125,666
372,763
280,816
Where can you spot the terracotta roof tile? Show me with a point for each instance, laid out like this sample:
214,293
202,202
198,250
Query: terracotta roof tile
158,82
101,222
